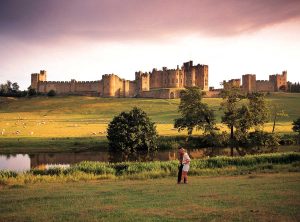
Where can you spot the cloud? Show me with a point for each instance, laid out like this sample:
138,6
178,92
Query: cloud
120,20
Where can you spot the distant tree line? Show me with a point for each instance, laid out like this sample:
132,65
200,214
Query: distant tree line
294,87
10,89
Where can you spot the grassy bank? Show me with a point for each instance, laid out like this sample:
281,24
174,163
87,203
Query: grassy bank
40,121
157,169
258,197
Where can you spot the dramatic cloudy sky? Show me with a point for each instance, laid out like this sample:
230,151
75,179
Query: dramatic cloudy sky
83,39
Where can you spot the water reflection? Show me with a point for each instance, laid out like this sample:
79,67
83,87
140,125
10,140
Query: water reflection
15,162
21,162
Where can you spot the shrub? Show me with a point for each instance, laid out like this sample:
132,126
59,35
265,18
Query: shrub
32,92
263,139
51,93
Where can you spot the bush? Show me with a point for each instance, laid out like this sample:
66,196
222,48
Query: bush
263,139
287,139
131,132
51,93
32,92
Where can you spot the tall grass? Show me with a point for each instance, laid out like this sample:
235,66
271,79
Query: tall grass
88,170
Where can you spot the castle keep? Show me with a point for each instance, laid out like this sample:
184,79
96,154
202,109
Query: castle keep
165,83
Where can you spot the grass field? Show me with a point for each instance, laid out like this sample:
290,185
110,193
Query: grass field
255,197
36,119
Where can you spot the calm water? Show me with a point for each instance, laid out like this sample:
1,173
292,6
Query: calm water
23,162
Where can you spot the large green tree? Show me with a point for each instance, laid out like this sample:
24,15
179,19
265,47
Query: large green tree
258,108
131,132
194,113
241,113
231,106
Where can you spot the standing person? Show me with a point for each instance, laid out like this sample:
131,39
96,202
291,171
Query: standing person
180,165
186,165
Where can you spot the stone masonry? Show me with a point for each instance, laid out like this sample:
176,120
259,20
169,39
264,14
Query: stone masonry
165,83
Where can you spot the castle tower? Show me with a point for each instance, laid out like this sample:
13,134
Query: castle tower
249,83
36,78
195,75
143,81
109,85
43,76
201,77
189,73
279,81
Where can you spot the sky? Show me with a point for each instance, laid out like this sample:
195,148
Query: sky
83,40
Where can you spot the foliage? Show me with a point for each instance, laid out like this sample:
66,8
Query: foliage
263,139
294,87
296,126
10,89
51,93
131,132
194,113
32,92
258,108
287,139
215,139
241,113
231,105
276,112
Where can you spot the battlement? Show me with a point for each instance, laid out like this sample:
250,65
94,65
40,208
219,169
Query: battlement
112,85
109,75
262,81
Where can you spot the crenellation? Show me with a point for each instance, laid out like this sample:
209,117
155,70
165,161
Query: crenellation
165,83
276,82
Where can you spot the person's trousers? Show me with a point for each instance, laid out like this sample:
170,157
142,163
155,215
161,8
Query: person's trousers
179,173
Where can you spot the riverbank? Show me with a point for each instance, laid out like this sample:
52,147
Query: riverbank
254,197
90,170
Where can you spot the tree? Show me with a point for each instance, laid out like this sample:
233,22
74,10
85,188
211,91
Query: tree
31,92
232,113
296,126
259,109
194,113
131,132
276,112
15,87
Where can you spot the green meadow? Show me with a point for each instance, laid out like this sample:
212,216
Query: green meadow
74,121
252,197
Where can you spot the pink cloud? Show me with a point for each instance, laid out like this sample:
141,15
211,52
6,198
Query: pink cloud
137,19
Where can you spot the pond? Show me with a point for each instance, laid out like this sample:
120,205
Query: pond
23,162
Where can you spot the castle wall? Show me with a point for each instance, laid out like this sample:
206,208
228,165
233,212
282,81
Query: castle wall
232,83
111,85
264,86
132,89
71,87
164,93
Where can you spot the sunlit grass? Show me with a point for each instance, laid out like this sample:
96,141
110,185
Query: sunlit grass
88,116
254,197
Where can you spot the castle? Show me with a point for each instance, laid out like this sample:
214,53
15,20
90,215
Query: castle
277,82
165,83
